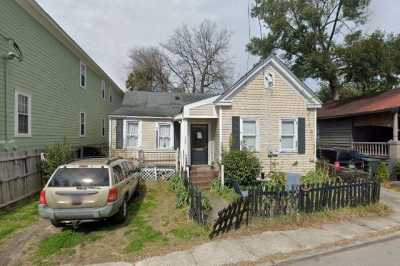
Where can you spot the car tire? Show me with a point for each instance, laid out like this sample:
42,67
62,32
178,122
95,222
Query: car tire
122,213
56,223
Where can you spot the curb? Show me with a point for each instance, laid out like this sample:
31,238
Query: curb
356,245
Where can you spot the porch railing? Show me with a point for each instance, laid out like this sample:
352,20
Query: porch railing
376,149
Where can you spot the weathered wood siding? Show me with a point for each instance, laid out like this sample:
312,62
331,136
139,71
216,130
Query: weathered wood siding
335,133
268,107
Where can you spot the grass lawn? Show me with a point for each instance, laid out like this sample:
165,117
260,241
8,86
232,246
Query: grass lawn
317,219
154,227
23,215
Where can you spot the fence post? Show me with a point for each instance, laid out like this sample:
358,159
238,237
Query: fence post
222,176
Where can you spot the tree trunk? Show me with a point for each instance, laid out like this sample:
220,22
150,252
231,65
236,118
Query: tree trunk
334,87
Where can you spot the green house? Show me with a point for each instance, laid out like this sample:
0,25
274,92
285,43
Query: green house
50,90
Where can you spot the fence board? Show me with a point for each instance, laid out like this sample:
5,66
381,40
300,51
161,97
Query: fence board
19,176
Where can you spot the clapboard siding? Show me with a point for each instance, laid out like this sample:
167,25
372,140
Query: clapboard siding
203,110
335,133
50,74
269,106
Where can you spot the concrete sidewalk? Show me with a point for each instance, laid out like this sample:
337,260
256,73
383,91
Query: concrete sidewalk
259,248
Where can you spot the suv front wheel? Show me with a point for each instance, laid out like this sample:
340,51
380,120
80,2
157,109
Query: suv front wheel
122,213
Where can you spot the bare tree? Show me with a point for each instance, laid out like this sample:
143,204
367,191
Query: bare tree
199,58
149,70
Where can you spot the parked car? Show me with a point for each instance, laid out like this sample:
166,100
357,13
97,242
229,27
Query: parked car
341,157
88,190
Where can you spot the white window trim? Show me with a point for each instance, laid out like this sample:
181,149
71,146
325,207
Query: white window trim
84,124
295,139
17,134
103,90
80,74
257,132
171,143
110,98
125,131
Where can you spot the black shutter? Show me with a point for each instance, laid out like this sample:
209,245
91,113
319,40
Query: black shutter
235,133
119,132
301,135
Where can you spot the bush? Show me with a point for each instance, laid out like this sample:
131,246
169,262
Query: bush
277,179
317,176
382,172
243,166
396,170
182,195
55,155
224,192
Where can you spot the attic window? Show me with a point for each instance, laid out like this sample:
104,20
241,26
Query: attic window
177,98
268,80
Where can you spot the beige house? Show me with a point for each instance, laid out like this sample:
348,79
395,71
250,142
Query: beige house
268,111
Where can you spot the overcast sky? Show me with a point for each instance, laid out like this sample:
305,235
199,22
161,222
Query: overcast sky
108,29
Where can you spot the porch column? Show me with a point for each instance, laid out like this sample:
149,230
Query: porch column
394,145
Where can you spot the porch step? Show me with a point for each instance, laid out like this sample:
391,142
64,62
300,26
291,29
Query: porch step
202,175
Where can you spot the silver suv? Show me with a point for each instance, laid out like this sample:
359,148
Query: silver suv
88,190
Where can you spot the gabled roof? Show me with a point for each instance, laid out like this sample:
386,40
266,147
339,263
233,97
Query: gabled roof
155,104
38,13
304,90
385,101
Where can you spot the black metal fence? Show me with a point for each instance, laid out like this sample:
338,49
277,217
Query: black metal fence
274,201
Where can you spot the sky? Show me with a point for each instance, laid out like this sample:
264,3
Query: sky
108,29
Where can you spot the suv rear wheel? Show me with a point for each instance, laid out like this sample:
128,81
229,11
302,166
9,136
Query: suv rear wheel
56,223
122,213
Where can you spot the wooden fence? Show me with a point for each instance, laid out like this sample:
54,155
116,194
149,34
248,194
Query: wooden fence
196,208
231,217
274,201
19,176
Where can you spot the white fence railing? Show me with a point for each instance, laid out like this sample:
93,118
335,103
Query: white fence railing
378,149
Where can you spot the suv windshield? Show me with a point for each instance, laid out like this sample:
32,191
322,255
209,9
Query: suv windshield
80,177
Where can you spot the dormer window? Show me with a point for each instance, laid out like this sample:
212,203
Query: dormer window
268,80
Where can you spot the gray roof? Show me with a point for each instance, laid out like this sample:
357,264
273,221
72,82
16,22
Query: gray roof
156,104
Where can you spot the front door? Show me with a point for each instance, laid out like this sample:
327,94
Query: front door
199,143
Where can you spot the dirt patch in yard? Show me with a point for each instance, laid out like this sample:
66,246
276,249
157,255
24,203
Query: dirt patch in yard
154,227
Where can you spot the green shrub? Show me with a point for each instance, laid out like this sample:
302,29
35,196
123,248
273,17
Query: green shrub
382,172
182,195
55,155
224,192
277,179
243,166
396,170
317,176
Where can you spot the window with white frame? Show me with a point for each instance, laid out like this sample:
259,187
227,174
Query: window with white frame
83,71
164,136
22,114
132,134
288,135
103,89
111,99
249,134
268,80
82,125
